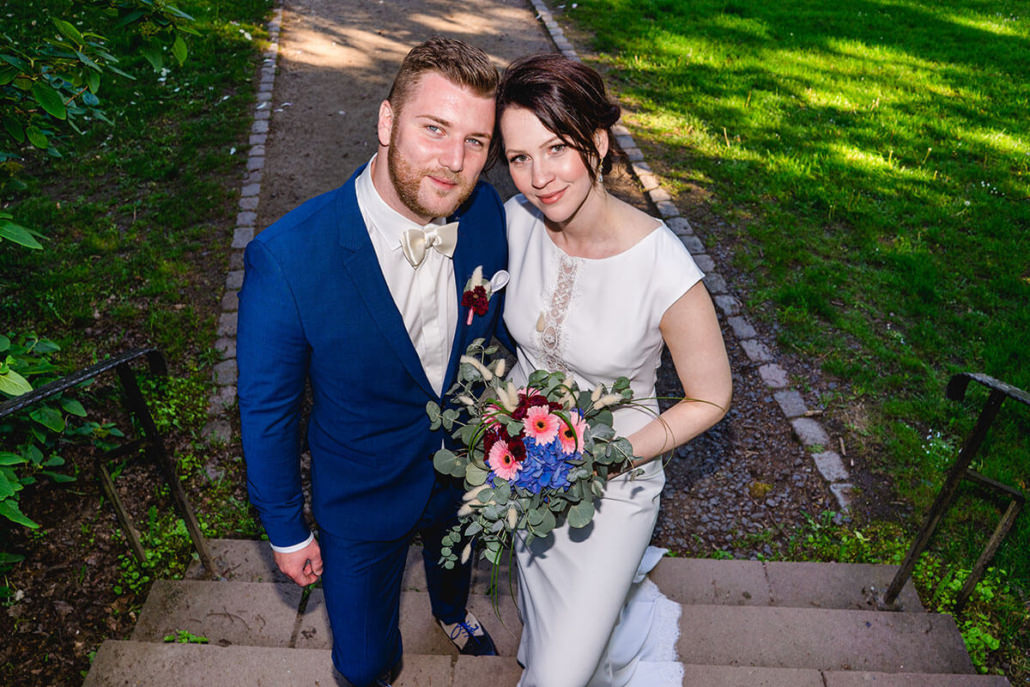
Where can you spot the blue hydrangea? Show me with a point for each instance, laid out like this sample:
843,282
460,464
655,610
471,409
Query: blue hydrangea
545,466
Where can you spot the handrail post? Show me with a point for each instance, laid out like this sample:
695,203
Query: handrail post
156,451
959,471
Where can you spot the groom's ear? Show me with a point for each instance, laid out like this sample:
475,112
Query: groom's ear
385,125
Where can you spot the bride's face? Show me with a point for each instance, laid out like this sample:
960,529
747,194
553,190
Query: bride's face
545,169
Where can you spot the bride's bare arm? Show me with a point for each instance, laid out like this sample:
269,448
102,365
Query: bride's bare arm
691,331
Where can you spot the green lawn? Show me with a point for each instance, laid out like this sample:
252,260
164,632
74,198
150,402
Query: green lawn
870,163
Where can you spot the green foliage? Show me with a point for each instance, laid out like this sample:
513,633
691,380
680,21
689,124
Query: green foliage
185,637
167,544
33,437
51,69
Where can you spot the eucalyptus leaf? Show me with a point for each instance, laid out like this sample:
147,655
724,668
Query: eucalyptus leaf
581,514
475,475
447,463
547,523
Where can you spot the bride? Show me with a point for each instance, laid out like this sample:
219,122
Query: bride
597,288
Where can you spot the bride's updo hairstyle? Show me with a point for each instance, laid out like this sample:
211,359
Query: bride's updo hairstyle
567,97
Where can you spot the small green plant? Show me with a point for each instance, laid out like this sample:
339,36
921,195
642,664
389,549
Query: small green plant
185,637
166,544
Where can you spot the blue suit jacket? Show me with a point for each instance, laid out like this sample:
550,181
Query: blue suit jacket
314,305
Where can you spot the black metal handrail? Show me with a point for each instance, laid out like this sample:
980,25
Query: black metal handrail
151,440
956,391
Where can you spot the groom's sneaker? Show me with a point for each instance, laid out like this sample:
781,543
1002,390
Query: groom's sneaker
469,636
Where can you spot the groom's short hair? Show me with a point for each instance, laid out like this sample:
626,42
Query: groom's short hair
458,62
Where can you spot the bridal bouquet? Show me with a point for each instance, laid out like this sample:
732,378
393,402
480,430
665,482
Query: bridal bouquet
531,457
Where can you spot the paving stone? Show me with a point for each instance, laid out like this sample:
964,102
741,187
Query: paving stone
227,324
830,466
810,432
773,375
666,209
749,676
729,305
234,280
495,671
844,493
225,372
693,244
742,329
791,403
756,351
217,432
680,225
715,283
241,236
230,302
658,195
244,560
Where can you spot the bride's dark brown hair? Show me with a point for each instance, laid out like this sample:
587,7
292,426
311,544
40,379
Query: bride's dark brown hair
568,98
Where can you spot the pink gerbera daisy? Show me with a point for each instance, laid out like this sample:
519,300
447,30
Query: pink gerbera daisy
502,462
572,436
541,424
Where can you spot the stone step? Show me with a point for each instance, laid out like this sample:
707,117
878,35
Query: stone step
263,614
120,663
821,639
684,580
250,560
799,585
748,676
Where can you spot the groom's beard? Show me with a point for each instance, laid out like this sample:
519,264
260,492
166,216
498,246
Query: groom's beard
407,181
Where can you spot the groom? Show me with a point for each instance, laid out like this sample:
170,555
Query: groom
357,292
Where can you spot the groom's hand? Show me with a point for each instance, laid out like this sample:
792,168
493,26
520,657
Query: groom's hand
304,566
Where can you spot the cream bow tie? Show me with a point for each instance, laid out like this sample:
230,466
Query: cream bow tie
440,237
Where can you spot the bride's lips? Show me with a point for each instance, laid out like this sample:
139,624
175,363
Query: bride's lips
551,198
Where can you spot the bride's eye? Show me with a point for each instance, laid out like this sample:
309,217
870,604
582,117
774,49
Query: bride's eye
558,148
516,159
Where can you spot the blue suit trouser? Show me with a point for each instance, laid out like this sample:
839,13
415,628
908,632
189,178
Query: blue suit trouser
362,583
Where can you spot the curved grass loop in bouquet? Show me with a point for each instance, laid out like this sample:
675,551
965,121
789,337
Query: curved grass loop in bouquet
531,457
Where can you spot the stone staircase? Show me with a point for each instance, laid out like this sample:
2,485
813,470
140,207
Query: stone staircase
743,624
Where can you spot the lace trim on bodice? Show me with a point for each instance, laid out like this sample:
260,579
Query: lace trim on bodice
554,317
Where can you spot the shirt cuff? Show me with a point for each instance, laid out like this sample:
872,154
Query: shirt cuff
295,547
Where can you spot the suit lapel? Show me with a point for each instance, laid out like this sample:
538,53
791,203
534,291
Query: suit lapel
463,267
362,265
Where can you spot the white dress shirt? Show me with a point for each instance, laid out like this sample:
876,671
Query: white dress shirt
425,295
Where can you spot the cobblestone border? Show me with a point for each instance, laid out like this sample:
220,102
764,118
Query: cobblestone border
224,397
809,431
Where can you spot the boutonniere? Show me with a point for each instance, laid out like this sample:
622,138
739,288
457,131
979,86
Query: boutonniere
477,293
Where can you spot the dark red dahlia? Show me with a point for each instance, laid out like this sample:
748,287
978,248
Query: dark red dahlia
476,300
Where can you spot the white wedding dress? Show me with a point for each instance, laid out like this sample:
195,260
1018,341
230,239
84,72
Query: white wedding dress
590,616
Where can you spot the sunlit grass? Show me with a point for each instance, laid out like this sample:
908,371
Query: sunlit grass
871,165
